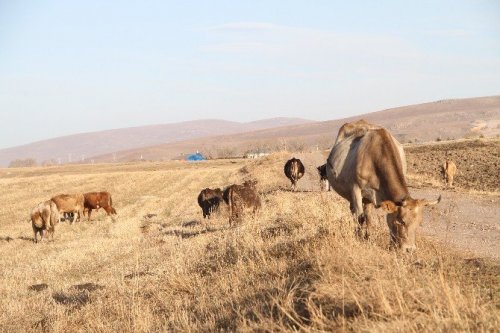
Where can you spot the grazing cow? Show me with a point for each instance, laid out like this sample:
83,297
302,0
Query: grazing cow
44,218
294,170
239,197
96,200
209,201
323,179
448,169
70,203
369,168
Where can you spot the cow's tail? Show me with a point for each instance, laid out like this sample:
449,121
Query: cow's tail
113,211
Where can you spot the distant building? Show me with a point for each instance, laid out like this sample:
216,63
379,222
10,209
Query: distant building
195,157
255,154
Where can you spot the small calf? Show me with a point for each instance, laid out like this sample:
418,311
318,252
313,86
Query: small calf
239,197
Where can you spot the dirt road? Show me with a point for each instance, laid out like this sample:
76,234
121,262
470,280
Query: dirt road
465,221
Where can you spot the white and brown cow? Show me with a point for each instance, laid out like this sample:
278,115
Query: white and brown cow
44,218
368,168
70,203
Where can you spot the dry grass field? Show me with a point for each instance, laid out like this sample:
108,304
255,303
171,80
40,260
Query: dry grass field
296,266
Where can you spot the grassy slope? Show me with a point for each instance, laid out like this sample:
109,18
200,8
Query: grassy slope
296,266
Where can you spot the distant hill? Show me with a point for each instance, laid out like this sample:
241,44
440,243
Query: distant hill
79,146
440,120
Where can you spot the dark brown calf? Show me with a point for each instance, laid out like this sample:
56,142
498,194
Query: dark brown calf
294,170
96,200
209,201
239,197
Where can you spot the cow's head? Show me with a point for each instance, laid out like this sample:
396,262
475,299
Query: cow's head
403,219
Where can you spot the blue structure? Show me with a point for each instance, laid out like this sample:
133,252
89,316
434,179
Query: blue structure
195,157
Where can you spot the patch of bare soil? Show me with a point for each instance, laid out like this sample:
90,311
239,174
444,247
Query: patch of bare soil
468,216
478,162
464,221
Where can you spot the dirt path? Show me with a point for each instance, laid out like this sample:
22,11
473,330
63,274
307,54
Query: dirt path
465,221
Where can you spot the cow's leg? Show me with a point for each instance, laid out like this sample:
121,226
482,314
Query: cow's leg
89,213
357,207
205,210
35,239
109,211
368,212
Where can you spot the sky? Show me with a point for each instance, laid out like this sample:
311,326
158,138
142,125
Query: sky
79,66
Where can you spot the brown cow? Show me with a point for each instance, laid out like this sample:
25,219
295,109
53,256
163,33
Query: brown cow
96,200
209,201
70,203
369,168
239,197
294,170
449,169
44,218
323,179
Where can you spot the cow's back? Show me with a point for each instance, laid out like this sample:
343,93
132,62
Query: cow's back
68,202
341,165
370,160
45,215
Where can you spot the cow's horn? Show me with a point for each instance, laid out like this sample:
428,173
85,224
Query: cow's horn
435,202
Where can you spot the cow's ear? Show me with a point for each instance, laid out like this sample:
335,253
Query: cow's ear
402,203
389,206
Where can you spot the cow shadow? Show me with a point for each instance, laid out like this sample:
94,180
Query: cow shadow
187,233
26,238
38,287
6,239
190,224
138,274
77,295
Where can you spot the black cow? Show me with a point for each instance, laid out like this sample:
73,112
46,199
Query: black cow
209,200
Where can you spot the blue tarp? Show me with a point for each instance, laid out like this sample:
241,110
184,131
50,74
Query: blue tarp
195,157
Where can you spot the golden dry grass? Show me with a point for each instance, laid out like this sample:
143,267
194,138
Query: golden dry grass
296,266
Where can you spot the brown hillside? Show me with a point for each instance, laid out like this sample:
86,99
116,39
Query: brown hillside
416,123
79,146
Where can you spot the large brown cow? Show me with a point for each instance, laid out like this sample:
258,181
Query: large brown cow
368,167
44,218
239,197
449,169
70,203
96,200
209,200
294,170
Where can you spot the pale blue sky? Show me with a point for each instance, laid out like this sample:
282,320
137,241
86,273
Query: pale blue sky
80,66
